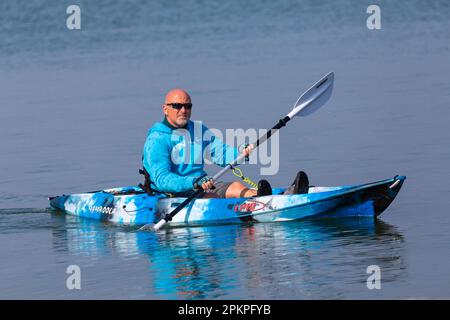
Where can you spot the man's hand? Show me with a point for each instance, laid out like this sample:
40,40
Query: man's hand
248,148
205,182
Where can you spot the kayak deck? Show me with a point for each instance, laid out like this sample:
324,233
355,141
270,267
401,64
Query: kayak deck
132,206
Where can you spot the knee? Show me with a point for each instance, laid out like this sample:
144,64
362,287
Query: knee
236,190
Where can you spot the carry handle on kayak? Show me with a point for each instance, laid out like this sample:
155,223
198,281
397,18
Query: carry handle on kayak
309,102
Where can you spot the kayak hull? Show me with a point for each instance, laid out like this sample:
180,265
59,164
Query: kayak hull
132,206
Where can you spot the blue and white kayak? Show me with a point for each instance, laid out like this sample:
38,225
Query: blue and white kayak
133,206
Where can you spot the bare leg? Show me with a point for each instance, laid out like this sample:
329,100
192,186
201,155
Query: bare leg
235,190
238,190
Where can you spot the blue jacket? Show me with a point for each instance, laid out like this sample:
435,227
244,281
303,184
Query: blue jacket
171,165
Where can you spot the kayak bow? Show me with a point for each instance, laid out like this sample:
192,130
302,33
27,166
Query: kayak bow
132,206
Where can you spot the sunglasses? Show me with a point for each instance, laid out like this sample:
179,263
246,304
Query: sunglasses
179,106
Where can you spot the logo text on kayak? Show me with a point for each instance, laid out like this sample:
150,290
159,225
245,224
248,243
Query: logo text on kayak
249,206
102,210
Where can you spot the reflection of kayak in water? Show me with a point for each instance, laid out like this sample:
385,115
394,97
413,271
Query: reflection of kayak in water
131,205
207,262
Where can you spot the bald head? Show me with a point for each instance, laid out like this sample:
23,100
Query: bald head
177,117
177,96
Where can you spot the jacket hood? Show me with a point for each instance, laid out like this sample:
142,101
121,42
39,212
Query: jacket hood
161,127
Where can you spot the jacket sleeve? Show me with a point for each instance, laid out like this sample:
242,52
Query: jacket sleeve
157,161
221,153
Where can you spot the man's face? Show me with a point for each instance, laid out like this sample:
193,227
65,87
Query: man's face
178,111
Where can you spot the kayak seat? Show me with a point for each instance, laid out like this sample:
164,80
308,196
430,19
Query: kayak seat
147,185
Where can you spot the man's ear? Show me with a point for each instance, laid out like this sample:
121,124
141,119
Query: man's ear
164,109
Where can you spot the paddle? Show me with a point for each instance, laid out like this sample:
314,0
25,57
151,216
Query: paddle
310,101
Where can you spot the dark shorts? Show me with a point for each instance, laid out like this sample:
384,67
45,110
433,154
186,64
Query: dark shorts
220,190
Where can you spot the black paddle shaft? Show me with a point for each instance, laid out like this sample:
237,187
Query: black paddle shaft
281,123
168,217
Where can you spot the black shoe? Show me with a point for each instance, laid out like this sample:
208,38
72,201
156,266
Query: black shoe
264,188
301,183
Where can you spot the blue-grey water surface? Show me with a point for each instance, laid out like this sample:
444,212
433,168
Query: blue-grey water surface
75,107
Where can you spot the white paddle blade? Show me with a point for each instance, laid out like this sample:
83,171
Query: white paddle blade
314,98
153,227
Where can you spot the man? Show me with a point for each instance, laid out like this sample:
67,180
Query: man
168,142
165,141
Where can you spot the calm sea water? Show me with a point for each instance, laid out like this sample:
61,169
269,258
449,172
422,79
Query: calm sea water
75,107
